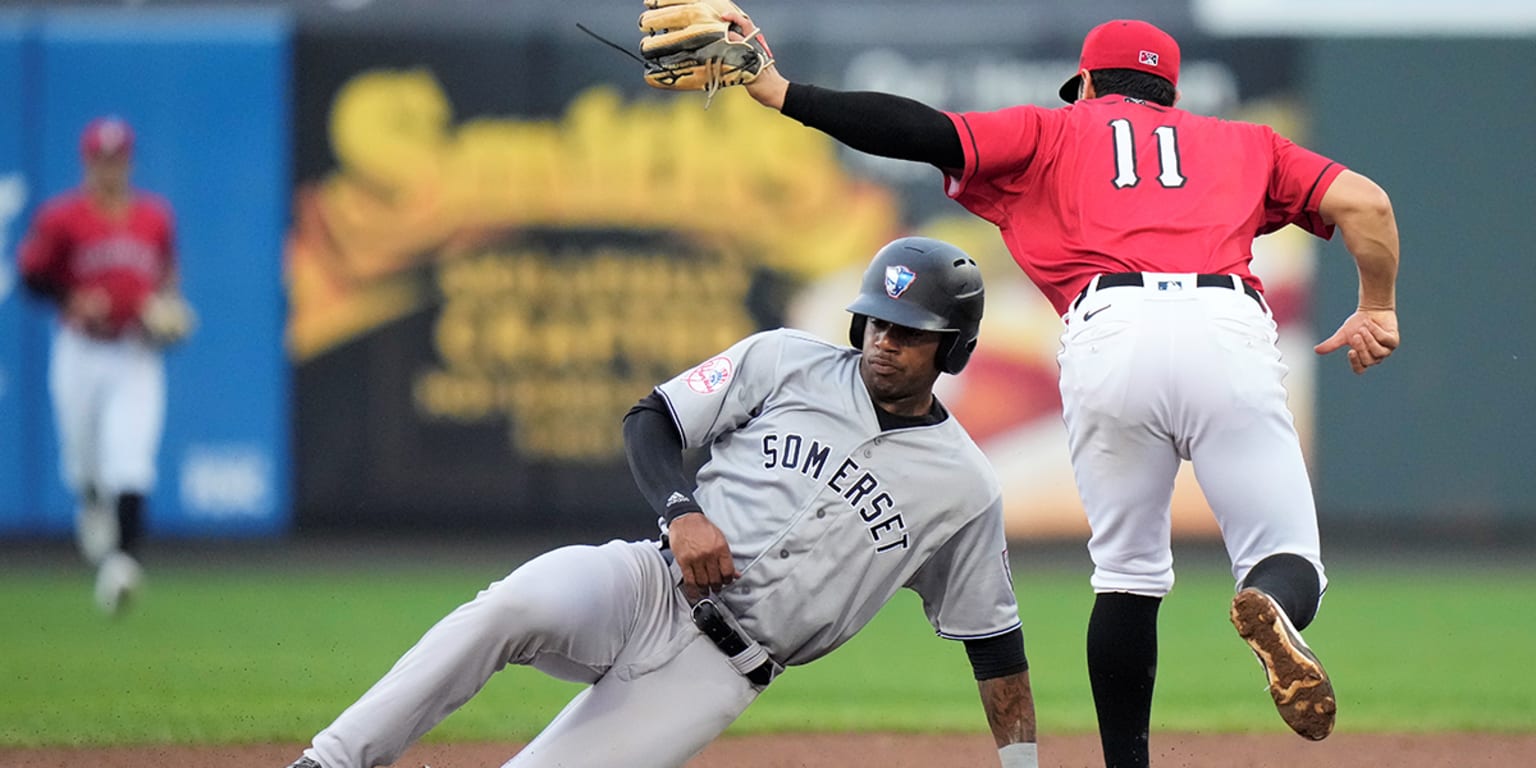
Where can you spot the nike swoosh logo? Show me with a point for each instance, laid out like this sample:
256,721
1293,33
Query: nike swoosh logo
1089,315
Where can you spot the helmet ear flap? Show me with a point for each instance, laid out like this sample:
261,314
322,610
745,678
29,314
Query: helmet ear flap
856,330
954,355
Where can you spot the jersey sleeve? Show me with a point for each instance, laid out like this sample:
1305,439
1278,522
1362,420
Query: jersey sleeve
998,146
966,586
42,261
1296,185
725,391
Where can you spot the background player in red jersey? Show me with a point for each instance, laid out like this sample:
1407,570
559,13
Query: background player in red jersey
1136,220
100,252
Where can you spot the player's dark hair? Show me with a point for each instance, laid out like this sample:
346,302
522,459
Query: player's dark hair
1135,84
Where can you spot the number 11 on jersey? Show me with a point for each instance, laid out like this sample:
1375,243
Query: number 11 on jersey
1125,155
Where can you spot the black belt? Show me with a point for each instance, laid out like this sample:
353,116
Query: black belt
1127,279
706,616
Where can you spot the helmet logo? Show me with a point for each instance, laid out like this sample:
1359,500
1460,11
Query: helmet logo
897,280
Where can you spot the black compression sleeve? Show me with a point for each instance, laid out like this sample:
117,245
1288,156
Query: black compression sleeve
655,452
997,656
878,123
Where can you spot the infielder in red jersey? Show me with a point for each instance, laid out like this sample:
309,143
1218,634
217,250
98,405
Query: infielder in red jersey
1136,220
1075,196
100,252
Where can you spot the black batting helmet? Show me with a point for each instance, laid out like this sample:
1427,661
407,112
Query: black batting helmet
927,284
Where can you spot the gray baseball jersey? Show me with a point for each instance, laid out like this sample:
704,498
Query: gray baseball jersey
827,516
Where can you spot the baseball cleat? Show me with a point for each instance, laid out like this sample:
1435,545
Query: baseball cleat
116,582
304,762
1301,689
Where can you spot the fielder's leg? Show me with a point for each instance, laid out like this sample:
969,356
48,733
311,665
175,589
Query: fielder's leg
132,418
1127,492
76,371
1122,668
119,575
1125,462
1248,459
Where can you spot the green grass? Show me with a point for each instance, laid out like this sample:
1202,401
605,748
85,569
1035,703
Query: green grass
254,653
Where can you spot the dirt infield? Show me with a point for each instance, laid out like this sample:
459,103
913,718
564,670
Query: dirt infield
885,751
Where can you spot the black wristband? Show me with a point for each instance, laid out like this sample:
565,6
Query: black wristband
679,504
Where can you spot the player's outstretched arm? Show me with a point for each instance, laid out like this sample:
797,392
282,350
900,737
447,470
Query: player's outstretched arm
877,123
1363,212
1010,708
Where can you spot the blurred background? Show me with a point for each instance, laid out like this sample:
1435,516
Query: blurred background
439,247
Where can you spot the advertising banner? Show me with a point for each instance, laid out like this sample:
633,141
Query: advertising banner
501,244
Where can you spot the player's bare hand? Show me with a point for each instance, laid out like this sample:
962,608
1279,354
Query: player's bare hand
702,553
770,86
1371,336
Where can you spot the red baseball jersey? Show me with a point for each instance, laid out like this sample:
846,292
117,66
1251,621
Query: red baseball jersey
1116,185
73,244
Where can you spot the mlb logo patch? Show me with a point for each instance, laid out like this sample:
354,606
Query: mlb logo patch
1149,58
897,280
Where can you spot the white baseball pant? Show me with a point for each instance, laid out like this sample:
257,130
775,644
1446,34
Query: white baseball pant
109,406
1167,371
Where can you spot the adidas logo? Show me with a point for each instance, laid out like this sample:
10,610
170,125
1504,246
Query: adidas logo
676,498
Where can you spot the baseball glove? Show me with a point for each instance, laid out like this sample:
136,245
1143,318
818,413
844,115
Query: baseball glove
167,319
687,46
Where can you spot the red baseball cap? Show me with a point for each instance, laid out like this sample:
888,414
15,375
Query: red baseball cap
106,136
1126,44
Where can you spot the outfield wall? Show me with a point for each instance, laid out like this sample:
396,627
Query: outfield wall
1441,438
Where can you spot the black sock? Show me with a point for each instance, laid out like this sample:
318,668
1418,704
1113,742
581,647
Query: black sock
1122,666
130,521
1292,582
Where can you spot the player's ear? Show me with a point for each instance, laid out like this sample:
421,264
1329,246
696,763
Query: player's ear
1177,94
1085,86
